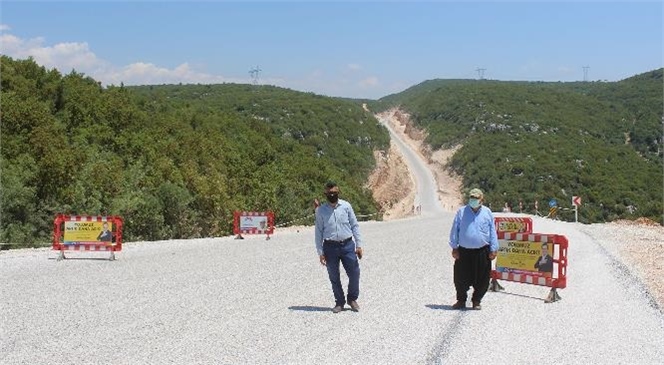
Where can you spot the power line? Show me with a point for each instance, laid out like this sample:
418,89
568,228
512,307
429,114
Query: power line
585,73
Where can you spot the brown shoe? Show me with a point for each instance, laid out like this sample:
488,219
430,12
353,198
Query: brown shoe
459,305
337,309
354,306
477,306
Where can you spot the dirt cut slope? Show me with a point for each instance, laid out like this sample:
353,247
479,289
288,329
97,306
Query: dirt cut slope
449,185
392,184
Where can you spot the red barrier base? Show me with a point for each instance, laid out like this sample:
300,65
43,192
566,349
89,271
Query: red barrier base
87,247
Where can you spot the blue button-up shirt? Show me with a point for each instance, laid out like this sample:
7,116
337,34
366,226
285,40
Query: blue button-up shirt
473,229
336,223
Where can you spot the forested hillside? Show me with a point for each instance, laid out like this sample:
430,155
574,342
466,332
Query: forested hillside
527,141
174,161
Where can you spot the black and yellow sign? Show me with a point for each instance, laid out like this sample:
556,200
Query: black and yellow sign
511,224
88,232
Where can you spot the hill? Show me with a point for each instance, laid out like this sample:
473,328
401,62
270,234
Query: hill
528,141
174,161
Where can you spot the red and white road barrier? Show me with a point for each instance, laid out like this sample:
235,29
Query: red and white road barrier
513,224
531,258
253,223
554,279
87,233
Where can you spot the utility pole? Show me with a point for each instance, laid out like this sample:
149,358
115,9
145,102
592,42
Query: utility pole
480,73
254,75
585,73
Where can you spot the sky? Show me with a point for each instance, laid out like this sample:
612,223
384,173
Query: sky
346,48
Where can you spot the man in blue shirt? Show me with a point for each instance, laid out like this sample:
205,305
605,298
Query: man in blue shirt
338,240
474,244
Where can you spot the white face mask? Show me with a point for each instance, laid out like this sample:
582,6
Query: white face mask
474,203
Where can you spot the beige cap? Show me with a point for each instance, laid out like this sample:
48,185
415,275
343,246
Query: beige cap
476,193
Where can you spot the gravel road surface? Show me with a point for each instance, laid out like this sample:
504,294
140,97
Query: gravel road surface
257,301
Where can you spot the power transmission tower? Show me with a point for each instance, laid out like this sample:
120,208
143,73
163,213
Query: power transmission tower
480,73
254,73
585,73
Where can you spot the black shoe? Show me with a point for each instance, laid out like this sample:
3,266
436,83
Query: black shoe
477,306
459,305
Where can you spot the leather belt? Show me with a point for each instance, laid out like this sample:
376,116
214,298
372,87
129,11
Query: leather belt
474,249
342,242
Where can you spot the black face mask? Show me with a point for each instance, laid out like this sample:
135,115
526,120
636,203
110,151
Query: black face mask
332,197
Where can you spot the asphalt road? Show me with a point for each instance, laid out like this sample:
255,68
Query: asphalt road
427,195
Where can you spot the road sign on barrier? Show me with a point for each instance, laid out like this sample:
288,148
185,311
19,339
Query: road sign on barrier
87,233
513,224
534,258
253,223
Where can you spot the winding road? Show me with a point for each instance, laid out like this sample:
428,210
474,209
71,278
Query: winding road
427,195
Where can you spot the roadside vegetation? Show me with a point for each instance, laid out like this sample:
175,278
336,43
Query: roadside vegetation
528,141
174,161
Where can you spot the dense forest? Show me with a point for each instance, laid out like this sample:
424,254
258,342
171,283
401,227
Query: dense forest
537,141
174,161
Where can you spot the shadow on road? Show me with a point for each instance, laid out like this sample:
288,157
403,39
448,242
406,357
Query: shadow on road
440,306
520,295
309,308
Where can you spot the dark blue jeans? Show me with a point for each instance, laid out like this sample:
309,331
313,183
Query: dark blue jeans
334,253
